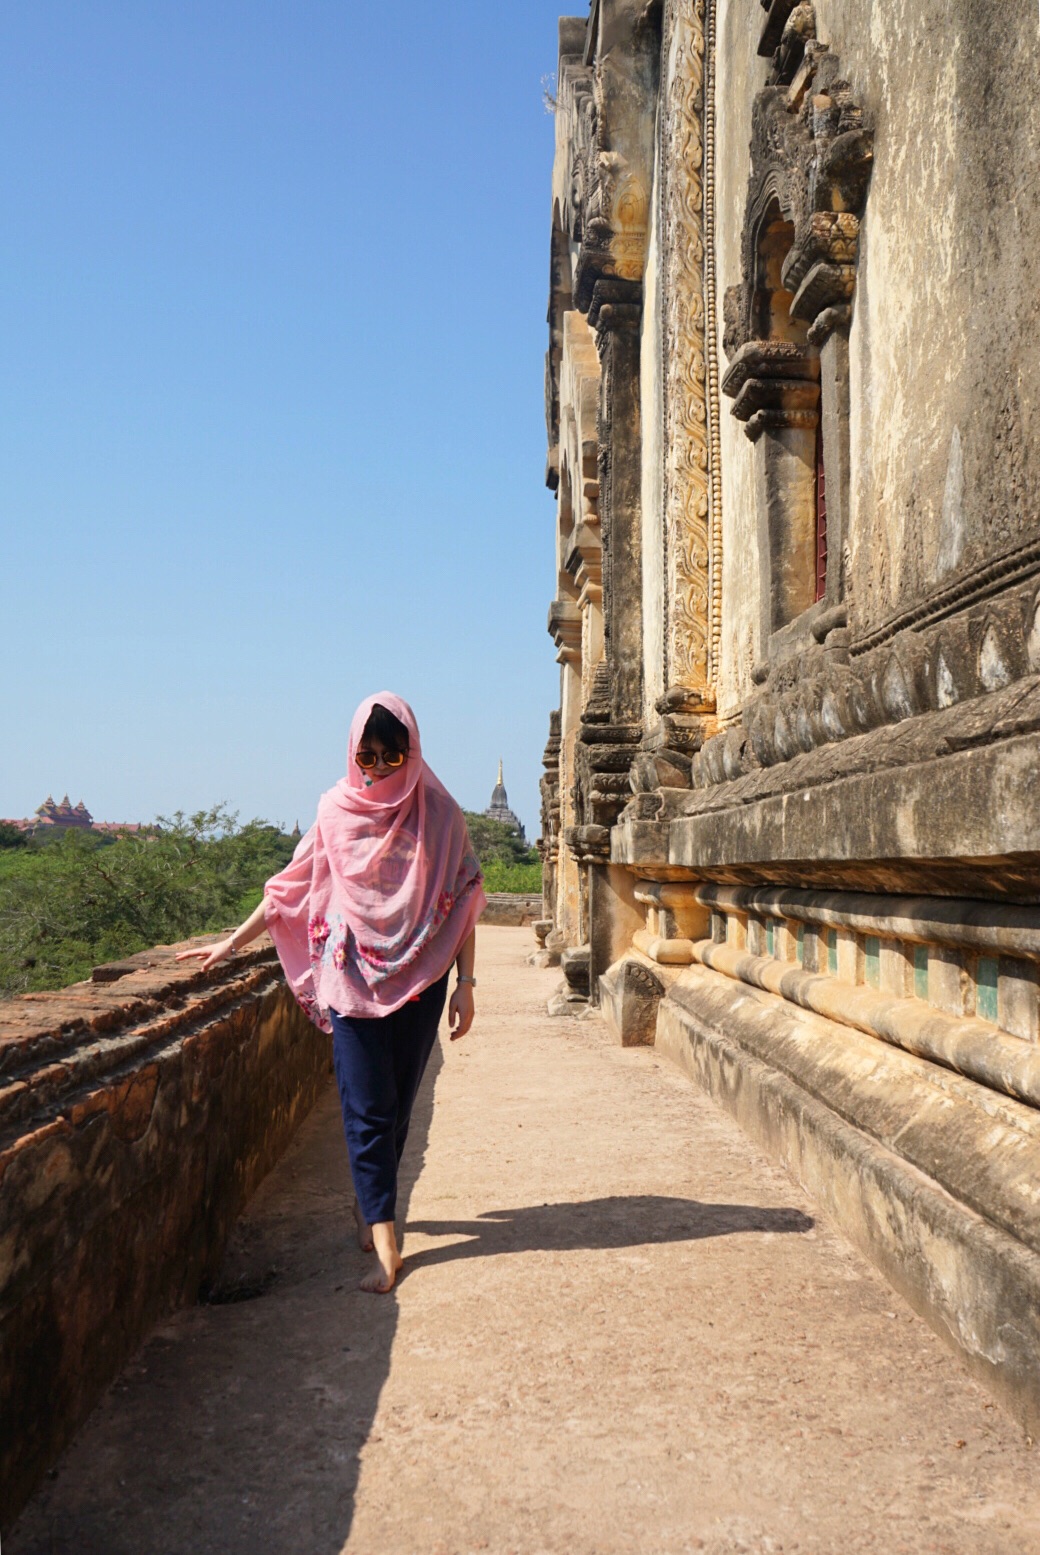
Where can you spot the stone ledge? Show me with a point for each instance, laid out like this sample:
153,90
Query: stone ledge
137,1118
505,910
845,1127
920,828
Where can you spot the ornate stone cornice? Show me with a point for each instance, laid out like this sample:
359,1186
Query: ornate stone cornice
564,628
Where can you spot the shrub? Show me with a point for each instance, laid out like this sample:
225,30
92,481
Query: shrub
83,899
518,879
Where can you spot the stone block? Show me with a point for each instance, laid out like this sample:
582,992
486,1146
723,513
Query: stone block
630,992
948,982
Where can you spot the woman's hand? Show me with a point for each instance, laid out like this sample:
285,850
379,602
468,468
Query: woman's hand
210,955
460,1011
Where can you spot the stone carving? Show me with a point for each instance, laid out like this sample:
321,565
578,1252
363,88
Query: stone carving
711,327
691,564
630,208
811,159
636,997
835,690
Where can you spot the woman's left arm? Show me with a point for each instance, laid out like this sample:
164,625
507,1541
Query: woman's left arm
460,1005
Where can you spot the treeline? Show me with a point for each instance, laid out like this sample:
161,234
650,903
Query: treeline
71,902
509,864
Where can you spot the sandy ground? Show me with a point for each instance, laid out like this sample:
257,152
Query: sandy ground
620,1330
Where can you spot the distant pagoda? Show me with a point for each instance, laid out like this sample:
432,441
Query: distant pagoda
62,817
498,809
50,819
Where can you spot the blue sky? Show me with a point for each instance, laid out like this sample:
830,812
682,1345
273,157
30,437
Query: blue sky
273,282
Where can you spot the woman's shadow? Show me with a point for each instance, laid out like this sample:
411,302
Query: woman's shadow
618,1221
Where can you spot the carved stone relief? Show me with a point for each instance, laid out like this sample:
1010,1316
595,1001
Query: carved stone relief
811,159
988,638
692,528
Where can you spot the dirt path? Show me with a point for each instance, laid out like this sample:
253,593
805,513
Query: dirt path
621,1330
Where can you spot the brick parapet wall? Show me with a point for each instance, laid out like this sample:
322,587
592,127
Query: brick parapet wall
138,1113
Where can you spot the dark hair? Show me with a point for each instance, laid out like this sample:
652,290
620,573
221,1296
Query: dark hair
388,730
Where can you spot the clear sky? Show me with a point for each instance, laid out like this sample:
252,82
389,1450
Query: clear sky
273,280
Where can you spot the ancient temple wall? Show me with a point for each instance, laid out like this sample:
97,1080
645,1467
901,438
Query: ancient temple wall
945,374
815,861
568,892
652,493
739,75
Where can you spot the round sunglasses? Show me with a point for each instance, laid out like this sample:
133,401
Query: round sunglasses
367,760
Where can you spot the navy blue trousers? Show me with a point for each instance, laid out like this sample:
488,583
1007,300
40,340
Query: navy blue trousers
379,1065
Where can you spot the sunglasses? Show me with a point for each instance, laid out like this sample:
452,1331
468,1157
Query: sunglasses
367,760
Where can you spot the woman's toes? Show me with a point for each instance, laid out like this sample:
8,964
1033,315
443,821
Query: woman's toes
379,1284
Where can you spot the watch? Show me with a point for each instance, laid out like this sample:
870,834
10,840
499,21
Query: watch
470,980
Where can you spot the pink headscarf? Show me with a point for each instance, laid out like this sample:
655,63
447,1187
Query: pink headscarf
381,892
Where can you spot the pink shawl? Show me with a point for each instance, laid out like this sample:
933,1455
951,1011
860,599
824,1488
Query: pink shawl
381,892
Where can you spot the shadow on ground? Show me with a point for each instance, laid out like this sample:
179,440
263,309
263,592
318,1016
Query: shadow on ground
239,1425
637,1220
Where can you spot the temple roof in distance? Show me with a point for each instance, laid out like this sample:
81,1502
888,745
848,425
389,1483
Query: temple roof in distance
498,809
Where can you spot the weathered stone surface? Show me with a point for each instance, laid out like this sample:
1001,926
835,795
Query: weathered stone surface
137,1117
814,658
506,910
630,993
914,1167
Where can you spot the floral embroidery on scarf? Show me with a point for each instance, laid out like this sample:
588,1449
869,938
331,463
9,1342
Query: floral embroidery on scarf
313,1011
381,959
318,930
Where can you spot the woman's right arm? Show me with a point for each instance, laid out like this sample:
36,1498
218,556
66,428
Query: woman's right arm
211,955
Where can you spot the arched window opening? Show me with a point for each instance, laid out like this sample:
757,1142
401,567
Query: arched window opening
772,298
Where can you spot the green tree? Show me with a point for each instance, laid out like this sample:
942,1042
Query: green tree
494,841
83,899
507,861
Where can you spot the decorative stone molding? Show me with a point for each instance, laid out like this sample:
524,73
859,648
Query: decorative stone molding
831,692
811,157
692,527
773,384
565,629
608,187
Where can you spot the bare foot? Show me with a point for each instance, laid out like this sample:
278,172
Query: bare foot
381,1281
364,1230
390,1260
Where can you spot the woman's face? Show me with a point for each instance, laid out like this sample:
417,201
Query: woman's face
370,746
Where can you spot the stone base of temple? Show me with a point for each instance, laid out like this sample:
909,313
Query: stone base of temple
928,1173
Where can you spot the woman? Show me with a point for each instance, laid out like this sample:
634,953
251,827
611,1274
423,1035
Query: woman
382,895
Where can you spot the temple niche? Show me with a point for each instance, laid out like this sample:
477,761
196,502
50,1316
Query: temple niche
787,829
